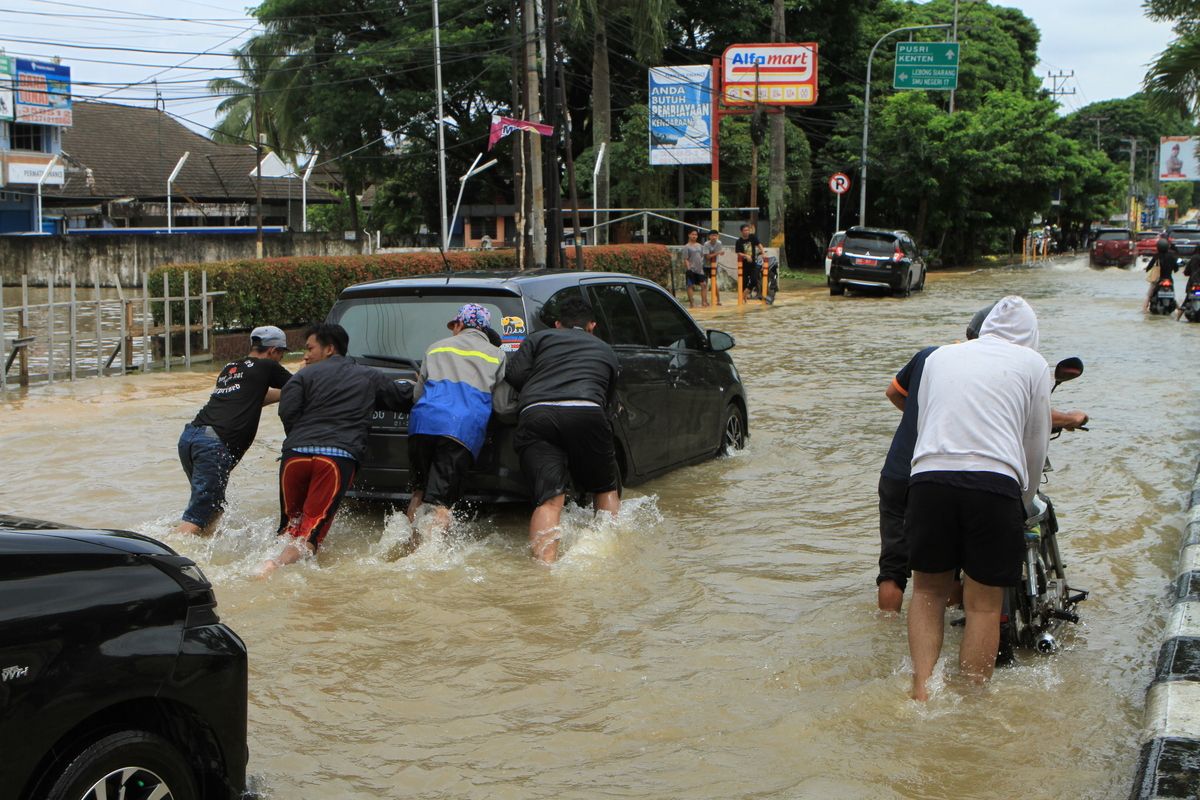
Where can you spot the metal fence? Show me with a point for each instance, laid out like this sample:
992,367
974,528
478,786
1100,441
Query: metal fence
80,332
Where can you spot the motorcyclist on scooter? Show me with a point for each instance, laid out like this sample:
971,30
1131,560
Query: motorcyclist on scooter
1166,259
1192,271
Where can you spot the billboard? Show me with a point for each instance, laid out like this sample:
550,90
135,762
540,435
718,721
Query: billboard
7,65
1177,159
777,74
43,92
680,115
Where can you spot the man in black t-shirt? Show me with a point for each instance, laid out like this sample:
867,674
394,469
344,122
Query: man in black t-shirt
214,442
749,254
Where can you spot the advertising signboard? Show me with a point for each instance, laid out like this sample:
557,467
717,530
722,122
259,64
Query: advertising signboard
926,65
43,93
1177,159
777,74
680,115
29,169
7,65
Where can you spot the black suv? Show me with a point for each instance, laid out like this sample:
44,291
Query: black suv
681,398
117,680
1185,239
874,258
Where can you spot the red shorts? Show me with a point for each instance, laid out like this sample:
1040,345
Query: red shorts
310,490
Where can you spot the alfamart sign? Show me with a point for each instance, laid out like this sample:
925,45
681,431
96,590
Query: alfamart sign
776,74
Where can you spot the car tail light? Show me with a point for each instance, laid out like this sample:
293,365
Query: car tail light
837,251
898,255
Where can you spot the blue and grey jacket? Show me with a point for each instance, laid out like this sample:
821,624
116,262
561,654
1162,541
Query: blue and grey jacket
454,391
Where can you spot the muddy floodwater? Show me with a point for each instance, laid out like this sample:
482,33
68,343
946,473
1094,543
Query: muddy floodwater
721,640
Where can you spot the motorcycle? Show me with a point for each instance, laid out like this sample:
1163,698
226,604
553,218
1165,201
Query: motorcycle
1037,607
1191,301
1163,301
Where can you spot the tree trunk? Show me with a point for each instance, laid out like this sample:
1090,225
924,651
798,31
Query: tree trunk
601,117
777,180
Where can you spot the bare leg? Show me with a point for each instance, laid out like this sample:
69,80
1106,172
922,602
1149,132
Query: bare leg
418,497
441,519
891,596
926,626
609,502
691,300
189,528
292,552
981,638
544,529
704,294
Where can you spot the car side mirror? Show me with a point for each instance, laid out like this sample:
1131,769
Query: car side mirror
720,341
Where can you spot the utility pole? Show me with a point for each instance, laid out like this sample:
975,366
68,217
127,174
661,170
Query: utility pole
519,107
258,247
536,217
562,97
550,168
777,180
954,38
1132,142
441,125
1059,81
1097,120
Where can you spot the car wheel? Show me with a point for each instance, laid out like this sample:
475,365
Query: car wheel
905,288
129,764
733,430
836,289
921,284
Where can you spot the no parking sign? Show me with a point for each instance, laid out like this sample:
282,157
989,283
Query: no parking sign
839,183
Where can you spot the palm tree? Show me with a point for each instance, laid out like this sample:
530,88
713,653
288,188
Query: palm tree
260,100
647,19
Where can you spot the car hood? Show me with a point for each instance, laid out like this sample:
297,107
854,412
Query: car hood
122,541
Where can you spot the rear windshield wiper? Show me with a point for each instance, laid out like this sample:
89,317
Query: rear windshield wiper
408,362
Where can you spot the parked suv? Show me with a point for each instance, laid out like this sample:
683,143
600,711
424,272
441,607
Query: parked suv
875,258
117,679
681,399
1113,246
1185,239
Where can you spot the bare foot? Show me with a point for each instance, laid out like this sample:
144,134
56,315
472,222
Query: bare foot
891,597
919,692
267,569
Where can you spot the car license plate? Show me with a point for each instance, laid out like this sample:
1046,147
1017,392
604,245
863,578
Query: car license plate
868,262
389,419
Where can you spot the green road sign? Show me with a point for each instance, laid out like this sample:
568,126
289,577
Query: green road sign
926,65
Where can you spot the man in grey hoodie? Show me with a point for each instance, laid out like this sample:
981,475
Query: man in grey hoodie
982,431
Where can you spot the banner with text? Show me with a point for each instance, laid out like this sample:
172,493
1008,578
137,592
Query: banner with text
43,92
7,67
680,115
1177,159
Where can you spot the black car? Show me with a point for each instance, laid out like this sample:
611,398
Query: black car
1185,239
875,258
117,679
681,399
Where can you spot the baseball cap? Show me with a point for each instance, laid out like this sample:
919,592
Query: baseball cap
268,336
473,315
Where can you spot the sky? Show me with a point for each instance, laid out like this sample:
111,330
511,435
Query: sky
1107,43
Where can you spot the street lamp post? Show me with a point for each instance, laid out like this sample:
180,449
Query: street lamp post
441,131
312,162
170,181
862,185
41,182
462,184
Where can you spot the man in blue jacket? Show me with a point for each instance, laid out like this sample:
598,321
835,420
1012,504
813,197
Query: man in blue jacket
450,417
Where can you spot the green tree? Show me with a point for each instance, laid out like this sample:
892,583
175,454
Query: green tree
261,100
1173,79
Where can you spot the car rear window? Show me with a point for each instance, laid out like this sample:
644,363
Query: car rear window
1190,235
403,326
1147,235
882,244
1113,236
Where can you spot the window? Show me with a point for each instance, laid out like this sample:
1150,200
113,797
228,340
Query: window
617,319
483,226
405,325
873,244
549,313
28,137
670,326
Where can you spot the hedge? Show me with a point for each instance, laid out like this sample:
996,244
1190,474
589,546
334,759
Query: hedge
293,291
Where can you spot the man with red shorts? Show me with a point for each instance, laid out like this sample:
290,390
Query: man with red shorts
326,413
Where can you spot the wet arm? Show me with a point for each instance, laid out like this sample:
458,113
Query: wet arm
894,393
272,396
1067,420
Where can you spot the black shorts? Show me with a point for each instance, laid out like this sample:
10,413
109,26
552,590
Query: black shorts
695,278
437,466
981,532
566,446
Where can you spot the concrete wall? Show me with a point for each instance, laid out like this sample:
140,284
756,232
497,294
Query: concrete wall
1169,762
126,257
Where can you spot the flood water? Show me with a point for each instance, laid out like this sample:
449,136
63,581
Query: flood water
720,641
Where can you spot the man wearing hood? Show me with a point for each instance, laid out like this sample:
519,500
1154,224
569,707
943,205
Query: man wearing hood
983,427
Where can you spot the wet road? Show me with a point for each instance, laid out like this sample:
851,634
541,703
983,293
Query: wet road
721,641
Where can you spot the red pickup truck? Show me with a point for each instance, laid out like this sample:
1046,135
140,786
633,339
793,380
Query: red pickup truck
1113,246
1147,243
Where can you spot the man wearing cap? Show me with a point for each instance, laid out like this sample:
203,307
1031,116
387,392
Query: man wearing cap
453,403
212,444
